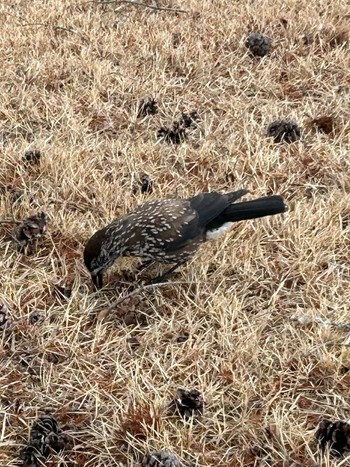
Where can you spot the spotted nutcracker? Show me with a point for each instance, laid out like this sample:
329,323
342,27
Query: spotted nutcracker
171,230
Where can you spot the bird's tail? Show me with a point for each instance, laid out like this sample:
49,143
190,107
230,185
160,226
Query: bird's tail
266,206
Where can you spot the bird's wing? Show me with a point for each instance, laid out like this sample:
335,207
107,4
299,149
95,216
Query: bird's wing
211,205
164,224
201,210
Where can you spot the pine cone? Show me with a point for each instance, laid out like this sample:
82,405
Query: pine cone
45,436
31,228
160,459
335,435
147,106
284,130
258,44
32,156
32,457
5,321
188,120
145,185
177,133
188,403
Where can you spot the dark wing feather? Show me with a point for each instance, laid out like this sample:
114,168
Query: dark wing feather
211,205
187,229
202,209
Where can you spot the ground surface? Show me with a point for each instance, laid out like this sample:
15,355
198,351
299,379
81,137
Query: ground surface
246,329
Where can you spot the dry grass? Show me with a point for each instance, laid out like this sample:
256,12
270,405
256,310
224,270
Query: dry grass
72,75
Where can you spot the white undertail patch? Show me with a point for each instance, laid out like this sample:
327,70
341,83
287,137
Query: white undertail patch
211,234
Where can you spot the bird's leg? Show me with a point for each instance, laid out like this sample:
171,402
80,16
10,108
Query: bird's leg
164,277
97,280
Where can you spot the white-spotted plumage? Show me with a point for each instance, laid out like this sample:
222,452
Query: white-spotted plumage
172,230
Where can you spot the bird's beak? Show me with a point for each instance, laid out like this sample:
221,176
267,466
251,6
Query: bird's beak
97,279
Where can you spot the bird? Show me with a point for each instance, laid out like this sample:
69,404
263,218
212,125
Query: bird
171,230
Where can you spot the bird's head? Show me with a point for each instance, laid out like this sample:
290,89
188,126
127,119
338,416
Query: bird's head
98,257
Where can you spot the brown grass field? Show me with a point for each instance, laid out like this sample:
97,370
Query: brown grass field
258,320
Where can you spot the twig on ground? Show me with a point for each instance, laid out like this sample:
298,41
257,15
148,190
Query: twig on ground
46,25
152,7
10,221
335,342
303,319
